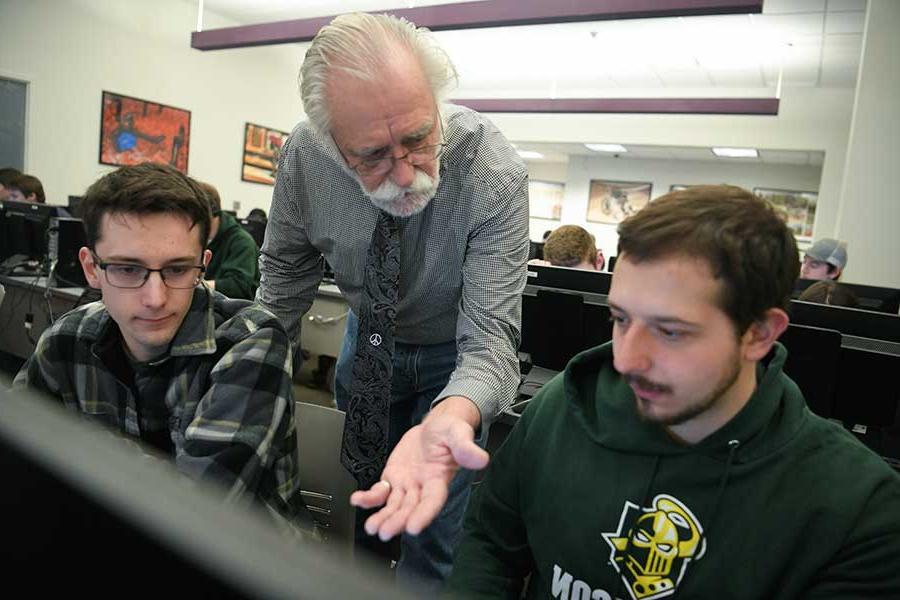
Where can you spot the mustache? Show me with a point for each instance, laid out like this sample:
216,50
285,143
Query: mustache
645,384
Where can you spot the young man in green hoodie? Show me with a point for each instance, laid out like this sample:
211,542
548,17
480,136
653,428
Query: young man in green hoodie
679,460
234,268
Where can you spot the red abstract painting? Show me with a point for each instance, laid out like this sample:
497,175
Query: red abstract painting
133,131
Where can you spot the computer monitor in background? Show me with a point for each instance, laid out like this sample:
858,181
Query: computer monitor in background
74,206
83,510
564,312
870,297
256,230
535,250
611,263
24,230
66,238
813,363
855,325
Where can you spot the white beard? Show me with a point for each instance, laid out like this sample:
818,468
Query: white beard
404,201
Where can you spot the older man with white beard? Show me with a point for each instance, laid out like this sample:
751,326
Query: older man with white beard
378,147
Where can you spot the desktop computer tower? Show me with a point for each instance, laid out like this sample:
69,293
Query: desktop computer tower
65,237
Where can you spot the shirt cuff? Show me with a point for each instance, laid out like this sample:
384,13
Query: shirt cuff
480,393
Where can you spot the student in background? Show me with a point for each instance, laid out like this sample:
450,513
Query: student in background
7,176
234,268
191,373
258,215
571,246
26,188
825,259
679,460
830,292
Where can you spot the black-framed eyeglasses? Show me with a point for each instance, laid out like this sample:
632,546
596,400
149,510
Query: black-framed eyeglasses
123,275
416,157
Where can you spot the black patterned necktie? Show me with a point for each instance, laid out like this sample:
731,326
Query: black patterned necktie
364,448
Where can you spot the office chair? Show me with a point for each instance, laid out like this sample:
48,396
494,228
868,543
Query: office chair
325,485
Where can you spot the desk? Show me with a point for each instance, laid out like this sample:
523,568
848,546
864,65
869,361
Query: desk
322,331
30,296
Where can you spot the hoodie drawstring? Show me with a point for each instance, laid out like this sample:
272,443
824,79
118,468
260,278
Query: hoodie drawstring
732,449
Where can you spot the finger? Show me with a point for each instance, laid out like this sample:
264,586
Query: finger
374,496
395,524
373,523
434,495
466,452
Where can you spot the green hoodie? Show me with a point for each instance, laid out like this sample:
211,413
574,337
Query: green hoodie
235,260
778,503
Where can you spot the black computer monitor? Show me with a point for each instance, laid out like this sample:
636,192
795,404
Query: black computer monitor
611,263
564,312
535,250
813,363
74,206
853,323
24,229
66,238
870,297
85,511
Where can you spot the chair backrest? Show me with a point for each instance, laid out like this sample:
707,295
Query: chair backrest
325,485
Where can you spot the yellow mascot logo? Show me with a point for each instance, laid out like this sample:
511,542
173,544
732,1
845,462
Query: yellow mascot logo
654,546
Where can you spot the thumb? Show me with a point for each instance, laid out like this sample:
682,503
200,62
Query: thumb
466,452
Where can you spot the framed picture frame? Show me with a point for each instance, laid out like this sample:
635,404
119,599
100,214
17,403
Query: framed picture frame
797,208
545,199
612,201
262,149
133,131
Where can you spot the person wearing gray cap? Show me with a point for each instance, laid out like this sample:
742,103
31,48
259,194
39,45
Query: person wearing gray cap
825,259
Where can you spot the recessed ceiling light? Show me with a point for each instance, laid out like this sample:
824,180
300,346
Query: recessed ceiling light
736,152
606,147
529,154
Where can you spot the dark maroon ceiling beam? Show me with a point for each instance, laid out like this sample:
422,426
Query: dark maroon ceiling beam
699,106
475,15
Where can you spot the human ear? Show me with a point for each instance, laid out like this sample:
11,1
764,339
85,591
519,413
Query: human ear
91,274
763,333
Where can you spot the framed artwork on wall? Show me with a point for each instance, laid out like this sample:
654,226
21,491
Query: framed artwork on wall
545,199
133,131
613,201
798,209
262,148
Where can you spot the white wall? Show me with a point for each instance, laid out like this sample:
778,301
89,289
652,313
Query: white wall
870,212
71,51
662,174
809,119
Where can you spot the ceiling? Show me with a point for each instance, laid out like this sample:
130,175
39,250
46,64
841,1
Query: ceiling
818,42
811,43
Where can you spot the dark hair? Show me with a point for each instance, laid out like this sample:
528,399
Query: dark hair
28,185
258,214
212,196
747,246
830,292
147,188
546,234
8,175
569,245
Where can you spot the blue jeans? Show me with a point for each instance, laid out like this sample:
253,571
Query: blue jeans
420,373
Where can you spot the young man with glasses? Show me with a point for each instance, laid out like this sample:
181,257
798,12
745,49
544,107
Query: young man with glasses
162,358
379,147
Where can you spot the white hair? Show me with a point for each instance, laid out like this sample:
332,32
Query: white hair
362,44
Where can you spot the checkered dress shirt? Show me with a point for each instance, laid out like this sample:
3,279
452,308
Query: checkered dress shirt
462,266
220,400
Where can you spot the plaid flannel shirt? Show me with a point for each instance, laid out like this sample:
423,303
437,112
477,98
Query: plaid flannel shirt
220,400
